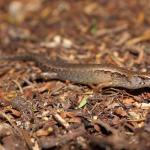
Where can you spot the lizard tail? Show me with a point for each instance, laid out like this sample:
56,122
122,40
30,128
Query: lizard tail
22,57
37,58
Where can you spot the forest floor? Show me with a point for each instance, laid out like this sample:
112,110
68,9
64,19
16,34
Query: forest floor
38,114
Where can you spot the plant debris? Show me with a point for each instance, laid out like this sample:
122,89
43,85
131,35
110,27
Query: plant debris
37,114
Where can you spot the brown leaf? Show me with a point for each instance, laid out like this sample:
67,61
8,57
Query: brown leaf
119,111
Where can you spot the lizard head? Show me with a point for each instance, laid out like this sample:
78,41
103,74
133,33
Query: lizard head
140,80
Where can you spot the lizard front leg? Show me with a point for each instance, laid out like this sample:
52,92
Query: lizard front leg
45,76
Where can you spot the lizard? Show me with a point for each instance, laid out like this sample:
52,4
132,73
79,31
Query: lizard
102,75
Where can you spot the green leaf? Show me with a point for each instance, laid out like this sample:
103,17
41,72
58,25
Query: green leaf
83,102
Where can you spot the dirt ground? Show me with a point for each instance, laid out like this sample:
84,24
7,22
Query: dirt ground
39,114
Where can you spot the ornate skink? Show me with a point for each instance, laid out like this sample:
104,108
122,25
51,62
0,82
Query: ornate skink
90,74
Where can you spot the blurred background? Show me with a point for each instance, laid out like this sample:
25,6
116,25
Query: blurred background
93,30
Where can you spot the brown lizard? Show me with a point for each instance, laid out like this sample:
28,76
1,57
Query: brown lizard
89,74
